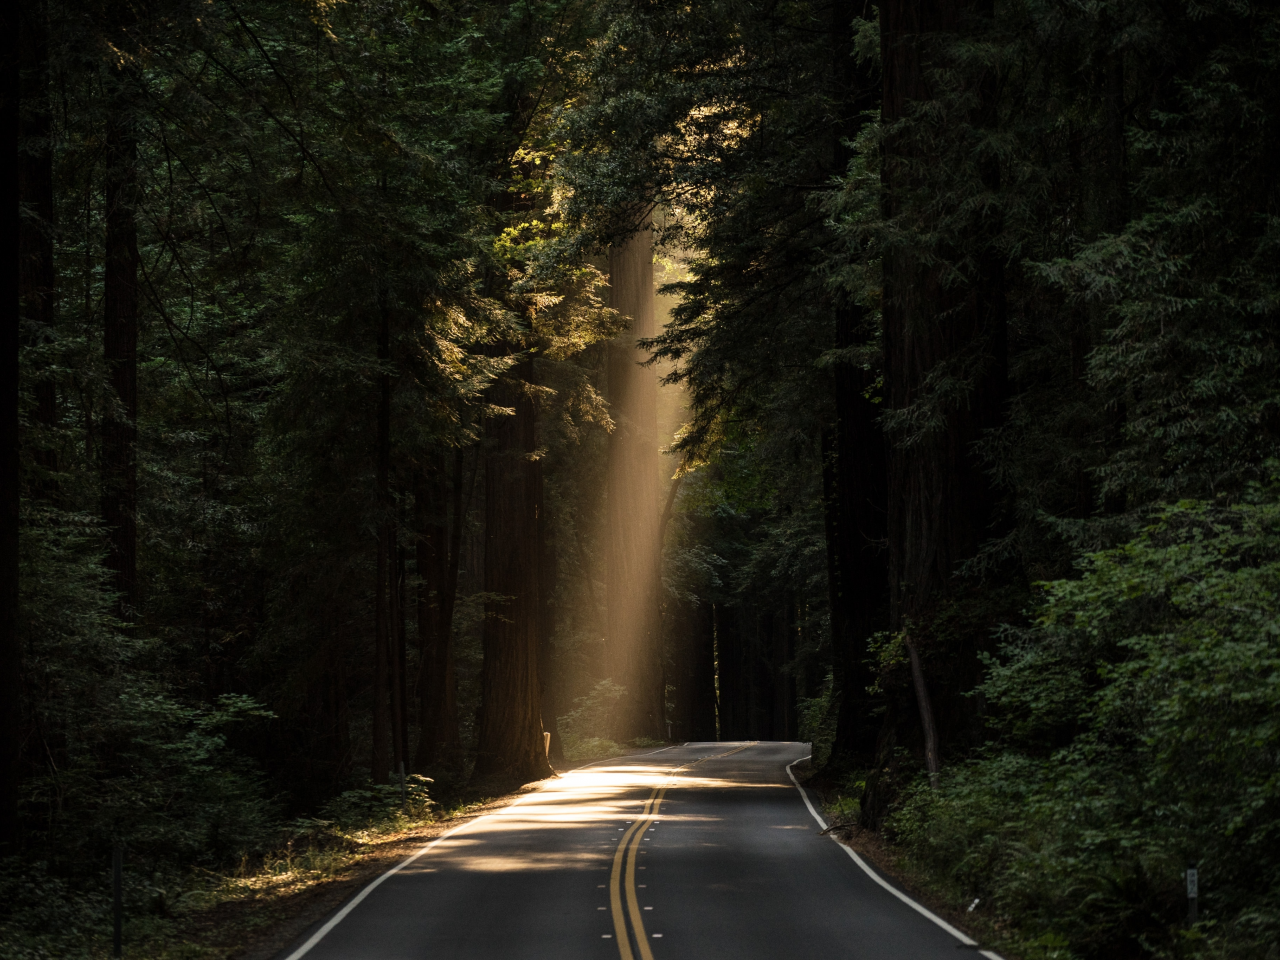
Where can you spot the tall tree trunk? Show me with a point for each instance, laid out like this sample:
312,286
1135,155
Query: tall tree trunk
841,630
395,662
941,501
856,469
548,676
120,351
633,646
11,711
380,760
510,741
35,224
858,522
439,548
702,676
402,654
431,553
925,704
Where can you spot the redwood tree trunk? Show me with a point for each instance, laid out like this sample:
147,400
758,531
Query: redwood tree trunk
35,228
633,644
120,351
548,677
11,719
380,758
857,530
941,502
702,676
855,469
511,744
940,497
396,660
439,545
431,553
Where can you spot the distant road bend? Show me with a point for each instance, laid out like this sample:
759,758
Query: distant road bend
695,852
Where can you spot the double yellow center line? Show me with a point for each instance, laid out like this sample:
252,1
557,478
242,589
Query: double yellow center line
625,857
628,850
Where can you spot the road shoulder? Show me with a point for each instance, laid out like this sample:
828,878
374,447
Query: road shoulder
889,862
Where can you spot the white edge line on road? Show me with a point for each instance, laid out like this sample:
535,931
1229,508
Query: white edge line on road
354,902
964,938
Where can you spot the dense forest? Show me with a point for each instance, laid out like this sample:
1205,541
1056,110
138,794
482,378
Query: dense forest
388,385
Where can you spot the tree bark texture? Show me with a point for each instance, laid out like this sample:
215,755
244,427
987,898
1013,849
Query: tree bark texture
548,676
11,712
439,542
940,497
857,531
396,635
120,352
941,502
925,704
35,221
633,644
855,468
383,729
511,744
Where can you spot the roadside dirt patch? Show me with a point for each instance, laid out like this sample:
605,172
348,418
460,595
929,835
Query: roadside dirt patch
260,927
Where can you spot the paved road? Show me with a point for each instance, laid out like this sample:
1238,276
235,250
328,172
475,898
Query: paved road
697,852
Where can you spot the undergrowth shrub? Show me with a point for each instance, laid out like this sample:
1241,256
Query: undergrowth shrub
1140,721
373,805
817,721
585,730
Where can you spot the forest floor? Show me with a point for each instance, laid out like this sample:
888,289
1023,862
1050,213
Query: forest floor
254,914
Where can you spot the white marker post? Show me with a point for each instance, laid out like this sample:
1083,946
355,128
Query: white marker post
1193,894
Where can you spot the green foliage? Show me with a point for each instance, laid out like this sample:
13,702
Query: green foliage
46,917
590,748
372,805
132,764
845,808
817,721
585,729
1140,717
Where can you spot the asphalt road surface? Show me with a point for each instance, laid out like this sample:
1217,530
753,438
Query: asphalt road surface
697,852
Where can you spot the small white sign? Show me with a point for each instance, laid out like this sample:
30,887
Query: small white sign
1193,883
